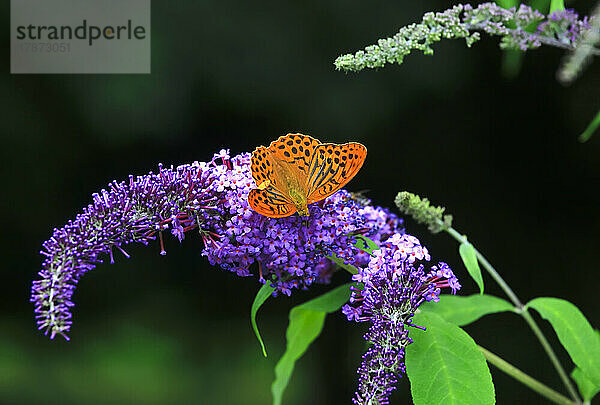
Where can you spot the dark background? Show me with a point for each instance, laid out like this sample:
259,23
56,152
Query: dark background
501,154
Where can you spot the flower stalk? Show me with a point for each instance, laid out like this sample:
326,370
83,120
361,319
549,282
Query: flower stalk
525,379
525,314
562,29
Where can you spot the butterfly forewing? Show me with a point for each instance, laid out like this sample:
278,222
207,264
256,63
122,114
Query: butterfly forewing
261,166
295,150
332,167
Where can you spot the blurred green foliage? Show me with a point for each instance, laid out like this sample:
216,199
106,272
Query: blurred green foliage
134,364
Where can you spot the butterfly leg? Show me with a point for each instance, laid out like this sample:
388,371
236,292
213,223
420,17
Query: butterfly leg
260,272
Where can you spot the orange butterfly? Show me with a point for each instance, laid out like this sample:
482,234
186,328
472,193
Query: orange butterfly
297,170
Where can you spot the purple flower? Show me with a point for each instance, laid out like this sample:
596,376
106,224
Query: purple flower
210,198
564,26
353,313
394,285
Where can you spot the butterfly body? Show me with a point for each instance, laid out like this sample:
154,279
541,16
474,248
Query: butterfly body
297,170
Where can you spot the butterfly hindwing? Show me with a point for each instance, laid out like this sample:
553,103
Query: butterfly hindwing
332,167
269,202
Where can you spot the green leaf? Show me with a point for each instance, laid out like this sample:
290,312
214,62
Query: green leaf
586,387
556,5
365,244
261,296
574,332
540,5
348,267
462,310
469,258
507,3
445,366
589,131
306,323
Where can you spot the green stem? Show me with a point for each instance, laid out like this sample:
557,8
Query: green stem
521,310
526,379
497,277
546,345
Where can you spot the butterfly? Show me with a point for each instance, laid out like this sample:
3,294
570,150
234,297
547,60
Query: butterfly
297,170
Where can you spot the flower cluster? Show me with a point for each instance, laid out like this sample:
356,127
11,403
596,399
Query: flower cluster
582,54
520,28
564,26
210,198
393,285
423,212
290,251
136,210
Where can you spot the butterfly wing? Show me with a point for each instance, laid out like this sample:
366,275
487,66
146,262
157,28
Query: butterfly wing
332,167
270,203
272,168
293,151
261,166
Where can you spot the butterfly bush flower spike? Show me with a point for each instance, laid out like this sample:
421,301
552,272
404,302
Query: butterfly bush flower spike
395,282
421,211
562,29
209,199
